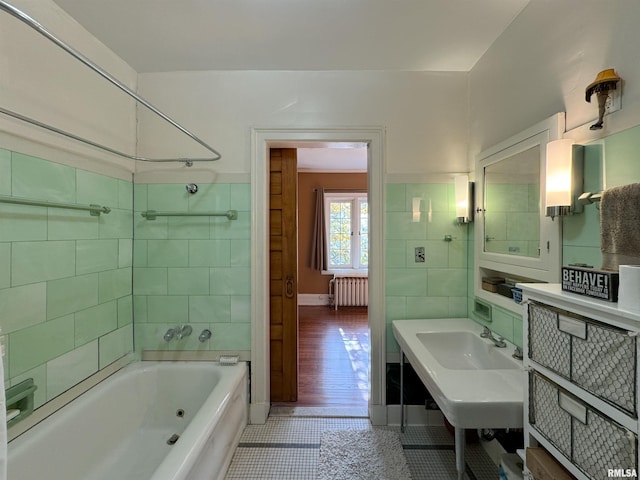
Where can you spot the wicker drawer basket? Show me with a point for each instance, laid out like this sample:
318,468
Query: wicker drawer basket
596,357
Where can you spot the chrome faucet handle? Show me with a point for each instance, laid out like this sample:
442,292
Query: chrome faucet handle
517,354
183,331
169,334
486,333
205,335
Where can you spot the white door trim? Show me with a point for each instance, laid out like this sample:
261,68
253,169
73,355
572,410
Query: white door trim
261,140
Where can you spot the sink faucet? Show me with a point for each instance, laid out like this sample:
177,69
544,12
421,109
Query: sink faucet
169,334
498,342
183,331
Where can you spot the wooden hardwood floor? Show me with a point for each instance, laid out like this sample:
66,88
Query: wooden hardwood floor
333,356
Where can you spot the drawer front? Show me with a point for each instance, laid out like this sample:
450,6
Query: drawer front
596,357
590,440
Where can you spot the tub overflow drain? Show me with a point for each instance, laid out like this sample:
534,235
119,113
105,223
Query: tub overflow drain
180,413
173,439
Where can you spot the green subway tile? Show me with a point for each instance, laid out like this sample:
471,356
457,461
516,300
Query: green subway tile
70,295
152,229
149,281
240,309
140,248
140,309
125,195
95,322
400,225
396,308
230,336
458,307
5,264
167,197
427,307
71,225
406,282
588,255
23,307
518,338
140,197
36,345
71,368
395,198
167,253
117,224
169,309
149,336
39,261
211,197
125,311
97,189
188,281
434,197
240,197
207,309
22,223
221,227
188,228
391,343
209,253
436,253
396,254
240,253
5,172
115,345
458,254
502,323
114,284
125,252
39,179
39,376
450,282
621,151
442,224
230,281
96,256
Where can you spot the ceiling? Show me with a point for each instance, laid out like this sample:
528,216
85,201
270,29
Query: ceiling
185,35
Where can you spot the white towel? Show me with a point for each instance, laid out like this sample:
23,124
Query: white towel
3,421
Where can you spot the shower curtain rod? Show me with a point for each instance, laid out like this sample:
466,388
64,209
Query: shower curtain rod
13,11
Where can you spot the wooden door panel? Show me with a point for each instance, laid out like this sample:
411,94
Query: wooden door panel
283,263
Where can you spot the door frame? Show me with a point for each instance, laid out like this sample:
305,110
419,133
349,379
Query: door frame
262,139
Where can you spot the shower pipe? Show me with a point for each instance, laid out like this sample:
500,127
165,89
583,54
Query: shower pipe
94,210
152,214
10,9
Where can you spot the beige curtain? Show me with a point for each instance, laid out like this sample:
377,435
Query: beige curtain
318,258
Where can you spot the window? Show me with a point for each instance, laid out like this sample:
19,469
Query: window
347,216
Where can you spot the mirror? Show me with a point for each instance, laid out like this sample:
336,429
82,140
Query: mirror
512,204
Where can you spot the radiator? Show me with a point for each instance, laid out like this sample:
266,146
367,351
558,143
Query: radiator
349,291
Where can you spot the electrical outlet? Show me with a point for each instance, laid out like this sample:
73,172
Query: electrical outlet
419,254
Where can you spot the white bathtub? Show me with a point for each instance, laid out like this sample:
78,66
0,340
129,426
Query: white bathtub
119,429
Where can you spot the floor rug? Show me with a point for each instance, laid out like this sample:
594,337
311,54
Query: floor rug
362,455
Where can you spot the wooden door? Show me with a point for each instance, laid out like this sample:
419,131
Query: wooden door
283,275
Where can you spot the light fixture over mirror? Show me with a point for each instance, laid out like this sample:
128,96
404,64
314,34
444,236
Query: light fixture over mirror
464,195
564,177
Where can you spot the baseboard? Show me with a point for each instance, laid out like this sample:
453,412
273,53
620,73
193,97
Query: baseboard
313,299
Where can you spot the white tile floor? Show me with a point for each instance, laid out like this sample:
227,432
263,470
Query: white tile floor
287,448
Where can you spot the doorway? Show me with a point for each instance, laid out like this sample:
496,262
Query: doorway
262,141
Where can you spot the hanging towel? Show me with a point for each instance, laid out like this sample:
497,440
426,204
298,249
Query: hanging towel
3,421
620,226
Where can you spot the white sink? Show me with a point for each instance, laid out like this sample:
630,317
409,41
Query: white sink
475,383
465,351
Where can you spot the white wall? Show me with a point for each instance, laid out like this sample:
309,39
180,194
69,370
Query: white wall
39,80
543,63
425,114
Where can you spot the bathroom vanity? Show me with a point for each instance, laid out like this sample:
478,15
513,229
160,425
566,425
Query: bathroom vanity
581,394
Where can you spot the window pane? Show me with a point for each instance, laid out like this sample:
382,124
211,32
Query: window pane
364,233
340,233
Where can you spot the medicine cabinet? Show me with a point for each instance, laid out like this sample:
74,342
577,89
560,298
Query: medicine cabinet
513,237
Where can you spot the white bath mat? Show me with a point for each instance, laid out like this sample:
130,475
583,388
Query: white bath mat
362,455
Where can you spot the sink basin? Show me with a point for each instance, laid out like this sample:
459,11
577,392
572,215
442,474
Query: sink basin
475,383
465,351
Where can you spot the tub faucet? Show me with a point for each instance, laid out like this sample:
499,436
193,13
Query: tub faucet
168,336
183,331
205,335
498,342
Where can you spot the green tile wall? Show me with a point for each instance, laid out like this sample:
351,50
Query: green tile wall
193,270
438,287
65,276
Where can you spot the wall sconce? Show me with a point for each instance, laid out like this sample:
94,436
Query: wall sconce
464,198
564,177
605,81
